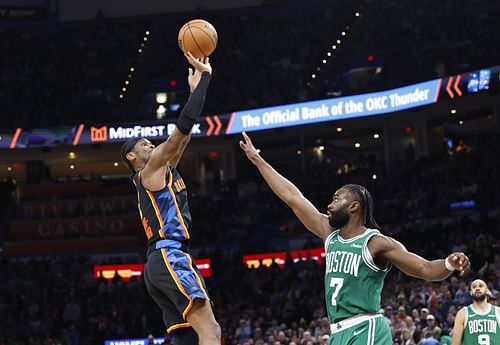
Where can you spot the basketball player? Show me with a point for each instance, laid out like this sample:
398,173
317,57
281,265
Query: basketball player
171,278
478,323
358,256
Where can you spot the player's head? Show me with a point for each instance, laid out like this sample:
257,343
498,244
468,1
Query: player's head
351,200
135,153
479,290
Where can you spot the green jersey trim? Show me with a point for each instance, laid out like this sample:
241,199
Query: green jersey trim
481,313
367,256
328,238
343,240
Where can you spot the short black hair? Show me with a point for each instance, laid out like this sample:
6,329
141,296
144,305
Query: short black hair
127,147
366,200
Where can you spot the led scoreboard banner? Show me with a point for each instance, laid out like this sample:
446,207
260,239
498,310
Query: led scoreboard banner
331,109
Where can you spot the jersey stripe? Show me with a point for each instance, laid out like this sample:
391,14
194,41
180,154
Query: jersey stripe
179,215
177,282
177,326
156,208
190,261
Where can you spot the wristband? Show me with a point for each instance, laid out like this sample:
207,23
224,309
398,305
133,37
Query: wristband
449,267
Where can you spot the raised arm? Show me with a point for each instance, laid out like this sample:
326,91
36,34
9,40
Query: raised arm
385,249
312,219
171,150
458,328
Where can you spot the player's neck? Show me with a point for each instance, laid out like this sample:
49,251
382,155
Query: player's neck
350,230
481,306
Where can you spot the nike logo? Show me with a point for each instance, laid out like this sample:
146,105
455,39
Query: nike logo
356,245
333,241
355,333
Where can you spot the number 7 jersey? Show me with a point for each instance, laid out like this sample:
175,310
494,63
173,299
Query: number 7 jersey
353,283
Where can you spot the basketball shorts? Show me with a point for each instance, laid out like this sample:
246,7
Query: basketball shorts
363,330
174,282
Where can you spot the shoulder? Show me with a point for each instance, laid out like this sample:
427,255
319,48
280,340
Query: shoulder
461,313
380,242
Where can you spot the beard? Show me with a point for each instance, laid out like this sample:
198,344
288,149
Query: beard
338,219
479,298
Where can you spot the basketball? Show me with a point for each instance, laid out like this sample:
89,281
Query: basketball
198,37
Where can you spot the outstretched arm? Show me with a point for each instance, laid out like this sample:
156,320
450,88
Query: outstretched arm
458,328
171,150
312,219
386,249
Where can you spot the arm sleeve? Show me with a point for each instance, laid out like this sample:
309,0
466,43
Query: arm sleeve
193,107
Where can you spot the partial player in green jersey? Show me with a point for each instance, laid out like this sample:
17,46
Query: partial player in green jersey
478,323
358,256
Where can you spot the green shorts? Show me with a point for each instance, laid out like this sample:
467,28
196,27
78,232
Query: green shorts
361,330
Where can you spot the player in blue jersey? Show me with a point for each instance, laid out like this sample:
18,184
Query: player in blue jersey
171,277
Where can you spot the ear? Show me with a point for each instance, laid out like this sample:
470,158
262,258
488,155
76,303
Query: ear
130,156
355,205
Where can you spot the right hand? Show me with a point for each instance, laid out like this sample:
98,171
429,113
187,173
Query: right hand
200,66
249,149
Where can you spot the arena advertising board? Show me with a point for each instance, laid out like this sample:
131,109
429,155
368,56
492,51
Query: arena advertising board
127,271
298,114
339,108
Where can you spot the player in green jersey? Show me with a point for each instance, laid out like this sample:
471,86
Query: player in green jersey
478,323
358,256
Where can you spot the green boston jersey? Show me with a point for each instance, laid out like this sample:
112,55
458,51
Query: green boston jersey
481,328
353,283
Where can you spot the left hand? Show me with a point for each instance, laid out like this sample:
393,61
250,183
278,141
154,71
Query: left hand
249,149
460,262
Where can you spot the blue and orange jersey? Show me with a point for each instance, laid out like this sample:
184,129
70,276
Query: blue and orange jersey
165,213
